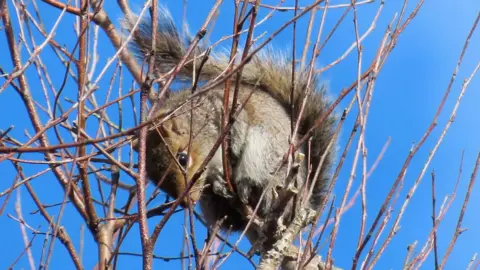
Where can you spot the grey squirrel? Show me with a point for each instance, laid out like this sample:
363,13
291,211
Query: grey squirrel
259,137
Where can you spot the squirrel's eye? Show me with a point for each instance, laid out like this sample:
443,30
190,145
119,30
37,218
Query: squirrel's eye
183,159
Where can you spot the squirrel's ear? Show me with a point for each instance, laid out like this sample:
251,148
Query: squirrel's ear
168,129
165,131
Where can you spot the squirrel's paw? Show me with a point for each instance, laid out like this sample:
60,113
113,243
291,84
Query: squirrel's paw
220,188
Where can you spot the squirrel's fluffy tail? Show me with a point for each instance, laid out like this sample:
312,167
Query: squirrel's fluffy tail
269,70
170,47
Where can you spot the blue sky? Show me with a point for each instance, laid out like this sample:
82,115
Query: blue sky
406,96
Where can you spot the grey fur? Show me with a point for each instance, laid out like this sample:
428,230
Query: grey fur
259,137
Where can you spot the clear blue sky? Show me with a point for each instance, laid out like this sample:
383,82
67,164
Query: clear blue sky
405,99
